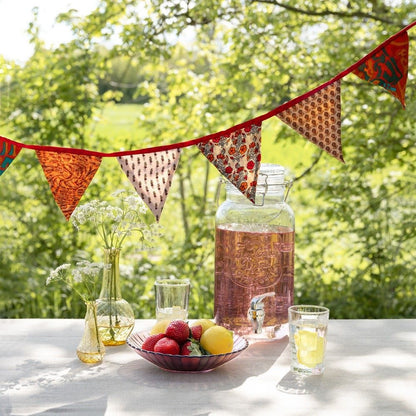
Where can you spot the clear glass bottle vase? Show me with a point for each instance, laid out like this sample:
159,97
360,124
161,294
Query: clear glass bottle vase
115,315
91,348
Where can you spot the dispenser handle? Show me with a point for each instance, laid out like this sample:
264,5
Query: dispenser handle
256,311
258,299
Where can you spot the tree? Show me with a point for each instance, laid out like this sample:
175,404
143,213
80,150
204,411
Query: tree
216,63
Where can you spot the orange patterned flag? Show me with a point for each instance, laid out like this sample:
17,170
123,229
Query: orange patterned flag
388,67
237,157
318,118
151,175
8,152
68,175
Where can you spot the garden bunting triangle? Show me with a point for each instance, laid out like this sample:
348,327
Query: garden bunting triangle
8,152
237,157
388,67
151,175
318,118
69,175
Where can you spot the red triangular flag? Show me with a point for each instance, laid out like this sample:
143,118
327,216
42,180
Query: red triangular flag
237,157
68,175
8,152
151,175
318,118
388,67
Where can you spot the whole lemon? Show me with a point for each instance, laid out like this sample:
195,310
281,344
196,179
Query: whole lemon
205,323
160,327
217,340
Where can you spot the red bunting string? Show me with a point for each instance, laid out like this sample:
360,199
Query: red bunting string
235,152
257,120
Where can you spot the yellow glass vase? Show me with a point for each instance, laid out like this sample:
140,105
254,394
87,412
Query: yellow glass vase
91,348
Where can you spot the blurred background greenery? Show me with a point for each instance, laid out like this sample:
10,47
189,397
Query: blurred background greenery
141,74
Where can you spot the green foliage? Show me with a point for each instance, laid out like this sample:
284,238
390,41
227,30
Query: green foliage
202,67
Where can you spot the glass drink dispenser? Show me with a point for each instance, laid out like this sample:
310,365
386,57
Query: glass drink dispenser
254,257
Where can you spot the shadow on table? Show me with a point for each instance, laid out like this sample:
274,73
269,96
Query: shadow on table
45,388
297,384
257,359
371,371
97,406
93,406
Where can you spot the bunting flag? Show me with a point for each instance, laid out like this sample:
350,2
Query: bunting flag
68,175
8,152
151,175
235,152
388,67
237,157
318,118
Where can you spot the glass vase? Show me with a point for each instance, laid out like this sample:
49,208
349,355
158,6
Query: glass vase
91,348
114,314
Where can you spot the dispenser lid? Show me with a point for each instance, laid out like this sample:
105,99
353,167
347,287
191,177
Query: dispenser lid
271,174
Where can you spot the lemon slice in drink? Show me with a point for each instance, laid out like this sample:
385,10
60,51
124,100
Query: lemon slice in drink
310,348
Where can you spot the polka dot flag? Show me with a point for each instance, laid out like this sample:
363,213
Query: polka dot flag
318,118
151,175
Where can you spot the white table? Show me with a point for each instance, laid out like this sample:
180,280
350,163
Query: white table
371,370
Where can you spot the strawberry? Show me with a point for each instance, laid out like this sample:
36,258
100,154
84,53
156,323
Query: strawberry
167,346
150,341
186,348
178,330
190,348
196,332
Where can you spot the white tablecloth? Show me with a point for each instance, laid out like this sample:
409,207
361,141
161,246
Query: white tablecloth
370,370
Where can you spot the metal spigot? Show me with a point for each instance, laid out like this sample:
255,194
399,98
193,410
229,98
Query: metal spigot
256,311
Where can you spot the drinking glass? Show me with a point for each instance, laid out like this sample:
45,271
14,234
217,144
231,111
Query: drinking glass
172,297
307,335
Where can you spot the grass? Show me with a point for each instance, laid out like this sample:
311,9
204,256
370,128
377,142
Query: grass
119,121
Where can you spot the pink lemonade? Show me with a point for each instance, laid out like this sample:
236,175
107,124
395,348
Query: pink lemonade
249,263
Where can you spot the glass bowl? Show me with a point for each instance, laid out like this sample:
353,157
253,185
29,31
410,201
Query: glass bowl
187,363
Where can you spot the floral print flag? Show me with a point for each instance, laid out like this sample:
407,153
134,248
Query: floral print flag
318,118
68,175
8,152
237,156
388,67
151,175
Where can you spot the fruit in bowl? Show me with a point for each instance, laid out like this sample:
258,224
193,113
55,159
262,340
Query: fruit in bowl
179,346
201,338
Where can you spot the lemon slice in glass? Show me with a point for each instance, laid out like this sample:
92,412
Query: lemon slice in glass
310,348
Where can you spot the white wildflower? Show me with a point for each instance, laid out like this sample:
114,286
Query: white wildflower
78,276
57,274
82,278
115,223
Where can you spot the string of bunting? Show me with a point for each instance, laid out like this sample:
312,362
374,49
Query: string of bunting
235,152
